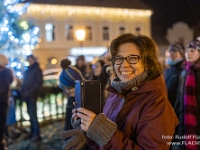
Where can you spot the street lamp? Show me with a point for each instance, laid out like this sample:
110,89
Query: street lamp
80,35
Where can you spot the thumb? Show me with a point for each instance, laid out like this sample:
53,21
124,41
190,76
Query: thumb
69,133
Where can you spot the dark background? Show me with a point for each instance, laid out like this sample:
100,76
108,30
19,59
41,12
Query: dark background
168,12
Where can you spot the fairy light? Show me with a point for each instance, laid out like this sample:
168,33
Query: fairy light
63,12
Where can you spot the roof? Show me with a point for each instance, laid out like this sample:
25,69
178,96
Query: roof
130,4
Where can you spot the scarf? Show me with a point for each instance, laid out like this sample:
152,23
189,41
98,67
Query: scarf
170,62
190,112
123,87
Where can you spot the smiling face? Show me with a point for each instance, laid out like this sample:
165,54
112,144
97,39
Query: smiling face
126,71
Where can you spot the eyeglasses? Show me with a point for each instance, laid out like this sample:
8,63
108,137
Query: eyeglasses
131,59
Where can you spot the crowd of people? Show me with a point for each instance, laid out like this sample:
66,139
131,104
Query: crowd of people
183,83
145,106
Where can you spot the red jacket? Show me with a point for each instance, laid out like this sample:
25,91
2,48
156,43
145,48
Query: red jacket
144,117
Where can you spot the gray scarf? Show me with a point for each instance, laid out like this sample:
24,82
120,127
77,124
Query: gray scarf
122,87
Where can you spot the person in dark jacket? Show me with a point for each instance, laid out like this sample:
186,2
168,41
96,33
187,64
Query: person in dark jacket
187,105
31,84
6,78
137,113
80,64
176,59
100,74
88,71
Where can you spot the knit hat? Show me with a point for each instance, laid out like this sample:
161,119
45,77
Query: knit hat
3,60
177,47
69,75
195,43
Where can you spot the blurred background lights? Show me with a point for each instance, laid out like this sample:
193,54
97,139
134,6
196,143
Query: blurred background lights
80,35
54,61
24,25
26,37
17,37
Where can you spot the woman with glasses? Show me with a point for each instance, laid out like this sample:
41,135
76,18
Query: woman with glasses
187,105
137,113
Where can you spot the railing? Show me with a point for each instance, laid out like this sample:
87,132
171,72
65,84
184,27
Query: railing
50,105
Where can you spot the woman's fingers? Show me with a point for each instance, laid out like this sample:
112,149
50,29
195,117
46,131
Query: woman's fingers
74,110
74,115
86,116
85,111
85,124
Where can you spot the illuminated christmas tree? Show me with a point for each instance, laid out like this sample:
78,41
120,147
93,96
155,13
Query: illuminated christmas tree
17,37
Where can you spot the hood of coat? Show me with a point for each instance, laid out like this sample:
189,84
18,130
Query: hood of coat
157,84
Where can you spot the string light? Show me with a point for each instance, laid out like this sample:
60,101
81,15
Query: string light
82,12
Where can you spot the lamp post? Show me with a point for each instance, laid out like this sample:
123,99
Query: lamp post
80,35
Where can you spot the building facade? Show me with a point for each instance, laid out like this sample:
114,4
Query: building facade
58,23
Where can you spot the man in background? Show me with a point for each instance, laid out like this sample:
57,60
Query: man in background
6,78
31,84
80,64
176,59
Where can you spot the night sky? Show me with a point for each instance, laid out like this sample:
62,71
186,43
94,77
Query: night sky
168,12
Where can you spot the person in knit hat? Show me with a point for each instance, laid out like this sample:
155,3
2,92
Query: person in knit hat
6,78
188,98
194,44
171,74
67,79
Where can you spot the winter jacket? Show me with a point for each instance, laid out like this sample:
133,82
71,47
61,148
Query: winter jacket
179,105
144,116
171,79
32,81
6,78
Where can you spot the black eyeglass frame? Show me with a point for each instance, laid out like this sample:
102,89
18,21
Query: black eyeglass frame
138,57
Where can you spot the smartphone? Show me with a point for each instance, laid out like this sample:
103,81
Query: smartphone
88,95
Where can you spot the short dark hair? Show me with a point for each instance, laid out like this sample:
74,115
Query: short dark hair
148,50
80,57
31,56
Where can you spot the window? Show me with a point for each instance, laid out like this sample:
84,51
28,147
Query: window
105,33
50,35
88,35
69,32
121,30
138,30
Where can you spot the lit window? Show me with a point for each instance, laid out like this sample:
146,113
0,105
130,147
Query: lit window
105,33
50,32
121,30
138,30
69,32
88,33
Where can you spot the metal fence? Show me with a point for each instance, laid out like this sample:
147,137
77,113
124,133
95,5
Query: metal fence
51,104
